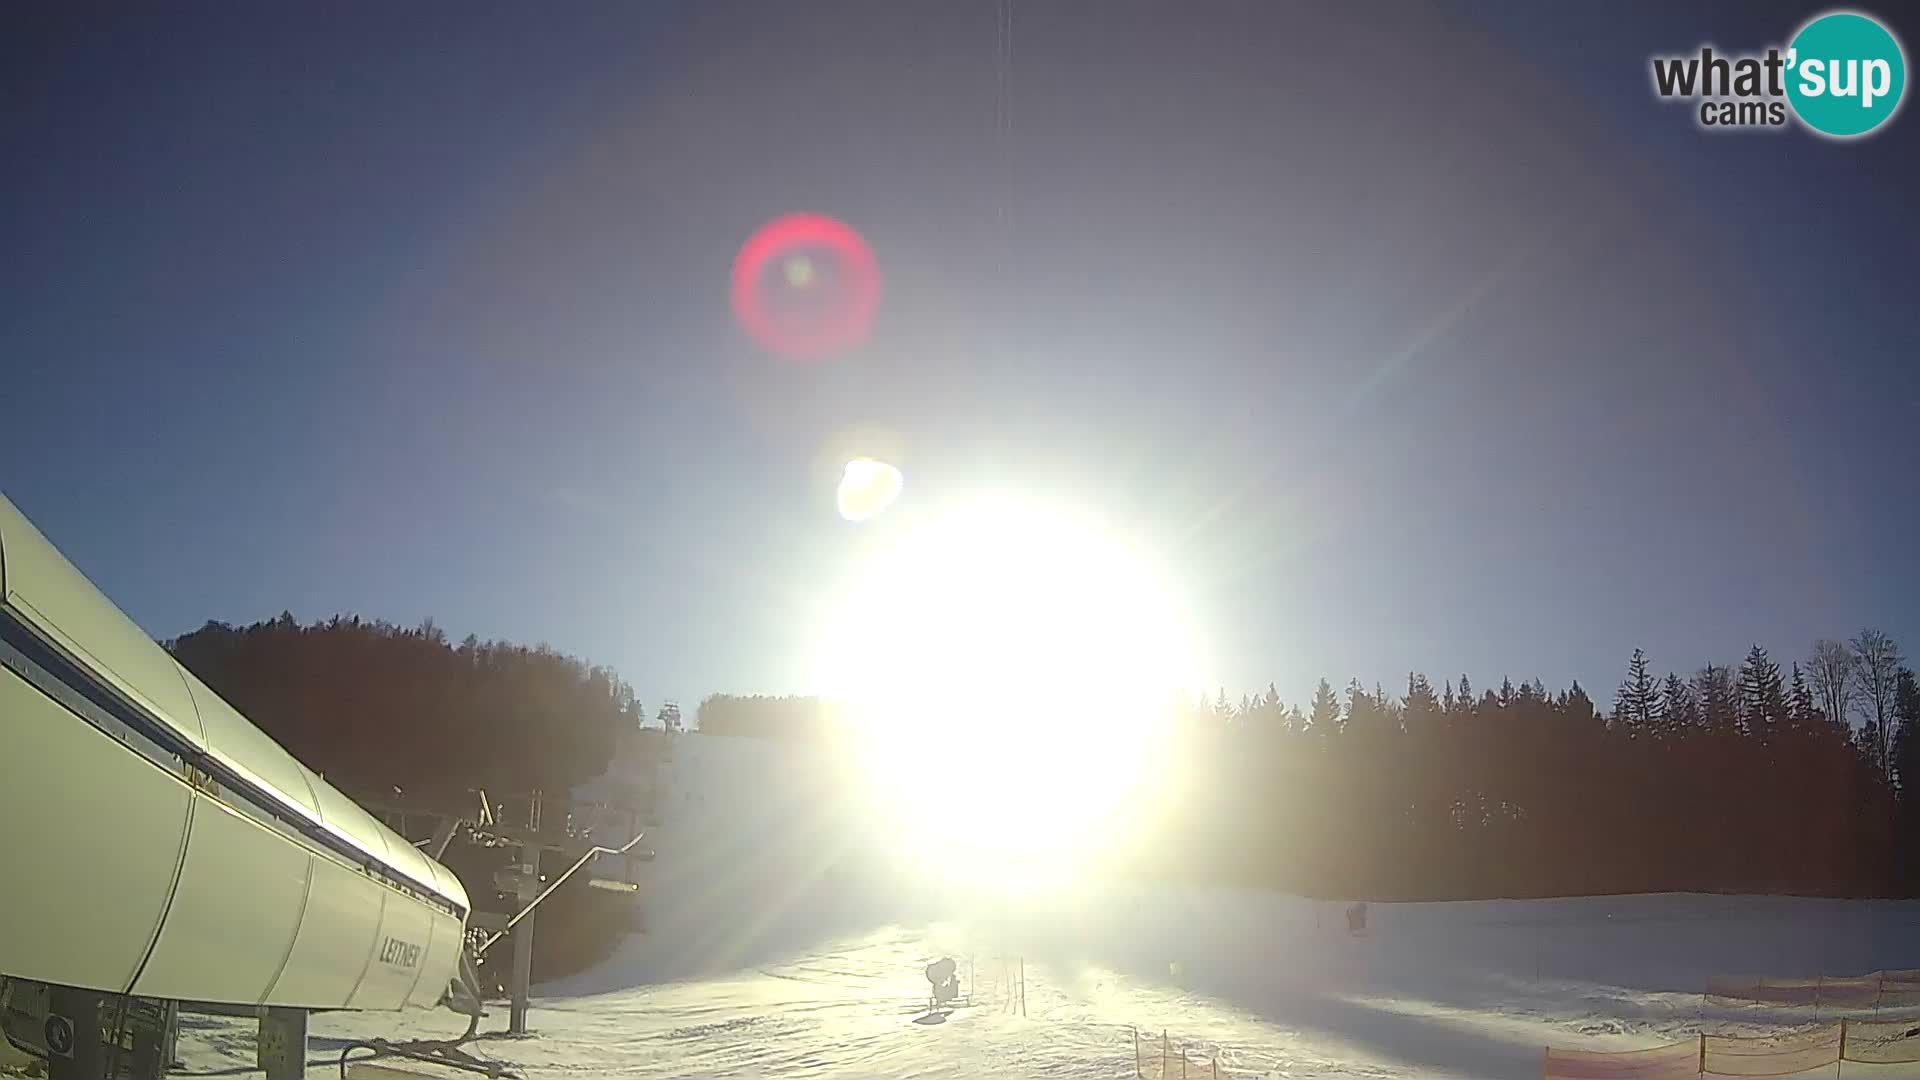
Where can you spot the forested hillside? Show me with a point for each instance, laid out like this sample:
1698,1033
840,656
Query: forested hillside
376,706
1742,778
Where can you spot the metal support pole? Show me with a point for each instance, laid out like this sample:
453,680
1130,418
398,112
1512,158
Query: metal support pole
442,836
281,1048
523,948
71,1034
170,1044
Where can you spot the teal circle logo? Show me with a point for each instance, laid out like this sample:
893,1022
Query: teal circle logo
1846,74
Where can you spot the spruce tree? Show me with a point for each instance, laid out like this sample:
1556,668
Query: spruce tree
1718,699
1800,706
1763,703
1679,709
1633,705
1325,717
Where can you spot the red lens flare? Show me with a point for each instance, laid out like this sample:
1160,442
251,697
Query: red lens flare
806,286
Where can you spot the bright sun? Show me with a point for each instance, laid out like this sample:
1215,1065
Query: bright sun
1008,667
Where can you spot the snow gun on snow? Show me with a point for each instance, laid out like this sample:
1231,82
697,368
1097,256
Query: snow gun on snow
167,854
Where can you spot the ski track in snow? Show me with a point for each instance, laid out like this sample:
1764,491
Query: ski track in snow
759,961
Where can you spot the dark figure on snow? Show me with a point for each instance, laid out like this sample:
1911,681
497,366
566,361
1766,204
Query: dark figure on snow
944,974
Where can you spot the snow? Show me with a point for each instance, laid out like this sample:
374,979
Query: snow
767,957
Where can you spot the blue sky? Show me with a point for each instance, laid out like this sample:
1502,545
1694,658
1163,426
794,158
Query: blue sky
1419,336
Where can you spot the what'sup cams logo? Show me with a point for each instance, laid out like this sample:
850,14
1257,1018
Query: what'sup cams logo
1843,75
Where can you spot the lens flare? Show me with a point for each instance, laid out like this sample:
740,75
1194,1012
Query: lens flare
806,286
867,488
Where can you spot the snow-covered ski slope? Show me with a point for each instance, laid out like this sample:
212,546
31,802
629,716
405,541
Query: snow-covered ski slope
784,942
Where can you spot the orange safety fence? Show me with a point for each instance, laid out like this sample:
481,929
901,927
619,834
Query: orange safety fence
1785,1054
1658,1063
1161,1059
1874,990
1772,1055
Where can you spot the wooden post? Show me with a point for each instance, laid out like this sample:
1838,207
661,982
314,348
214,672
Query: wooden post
1546,1062
1163,1054
1023,987
1183,1063
1136,1053
1703,1053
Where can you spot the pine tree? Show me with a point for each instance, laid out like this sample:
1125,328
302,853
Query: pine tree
1906,774
1386,710
1325,717
1718,700
1421,707
1360,709
1801,711
1633,705
1906,736
1575,703
1679,710
1763,704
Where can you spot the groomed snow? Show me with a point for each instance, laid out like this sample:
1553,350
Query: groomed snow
760,962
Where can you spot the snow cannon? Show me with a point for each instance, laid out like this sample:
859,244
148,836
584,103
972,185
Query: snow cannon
944,976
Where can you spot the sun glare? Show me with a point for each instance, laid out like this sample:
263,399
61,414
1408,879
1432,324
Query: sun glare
1008,667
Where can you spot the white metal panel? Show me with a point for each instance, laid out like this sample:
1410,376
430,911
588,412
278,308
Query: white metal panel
407,859
93,840
346,818
438,960
256,913
234,913
64,605
405,928
336,940
450,887
442,961
246,749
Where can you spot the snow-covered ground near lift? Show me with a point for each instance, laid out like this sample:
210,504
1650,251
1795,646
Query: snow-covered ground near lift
783,941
